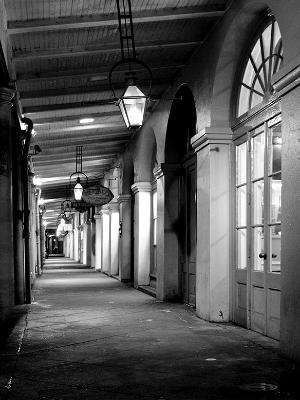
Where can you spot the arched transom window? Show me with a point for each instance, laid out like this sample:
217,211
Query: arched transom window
264,61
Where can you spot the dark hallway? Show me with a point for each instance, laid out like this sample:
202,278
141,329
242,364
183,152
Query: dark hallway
88,336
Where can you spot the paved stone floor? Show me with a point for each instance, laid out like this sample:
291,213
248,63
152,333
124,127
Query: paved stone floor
87,336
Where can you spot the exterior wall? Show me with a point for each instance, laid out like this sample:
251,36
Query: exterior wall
286,84
6,208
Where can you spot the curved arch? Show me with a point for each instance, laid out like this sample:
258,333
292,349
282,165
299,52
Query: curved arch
127,173
144,157
181,125
246,19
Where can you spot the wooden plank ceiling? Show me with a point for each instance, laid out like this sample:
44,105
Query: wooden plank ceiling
62,52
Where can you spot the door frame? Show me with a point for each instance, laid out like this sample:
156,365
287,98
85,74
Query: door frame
242,133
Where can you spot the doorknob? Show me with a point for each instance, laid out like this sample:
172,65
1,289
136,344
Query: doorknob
262,255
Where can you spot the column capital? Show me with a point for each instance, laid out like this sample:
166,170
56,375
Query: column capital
104,210
211,135
141,187
113,206
6,95
166,169
124,198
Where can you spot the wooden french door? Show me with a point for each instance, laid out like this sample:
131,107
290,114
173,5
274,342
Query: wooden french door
258,229
188,247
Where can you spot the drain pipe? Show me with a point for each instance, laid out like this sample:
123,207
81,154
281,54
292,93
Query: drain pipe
25,174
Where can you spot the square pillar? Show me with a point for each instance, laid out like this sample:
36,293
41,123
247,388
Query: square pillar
213,148
142,231
114,238
125,238
168,286
76,238
98,242
71,234
93,242
88,242
105,236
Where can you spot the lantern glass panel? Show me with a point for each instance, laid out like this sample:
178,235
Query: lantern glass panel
78,189
132,106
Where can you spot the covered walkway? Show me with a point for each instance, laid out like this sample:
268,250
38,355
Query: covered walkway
88,336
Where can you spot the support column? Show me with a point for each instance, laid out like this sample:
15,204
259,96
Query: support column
125,237
287,86
71,245
114,238
213,147
76,231
105,236
93,242
168,285
88,242
142,231
98,242
6,205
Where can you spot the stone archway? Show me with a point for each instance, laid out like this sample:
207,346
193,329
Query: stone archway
176,181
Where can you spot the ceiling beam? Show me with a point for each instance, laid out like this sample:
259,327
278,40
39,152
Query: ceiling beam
21,55
48,120
98,72
81,90
99,152
99,21
69,106
110,147
60,160
96,136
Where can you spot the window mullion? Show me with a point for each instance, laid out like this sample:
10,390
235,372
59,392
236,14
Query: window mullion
263,59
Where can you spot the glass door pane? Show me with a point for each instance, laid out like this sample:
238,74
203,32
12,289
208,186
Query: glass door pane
258,154
275,248
258,202
258,249
242,248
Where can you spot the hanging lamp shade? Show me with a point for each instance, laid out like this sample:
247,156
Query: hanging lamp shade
132,106
78,189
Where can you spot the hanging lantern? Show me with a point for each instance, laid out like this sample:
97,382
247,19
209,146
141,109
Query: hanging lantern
132,103
132,106
78,189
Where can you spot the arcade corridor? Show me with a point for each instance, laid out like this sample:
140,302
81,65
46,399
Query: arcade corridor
89,336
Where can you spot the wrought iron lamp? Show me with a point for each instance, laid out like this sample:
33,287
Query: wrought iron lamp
80,177
132,102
